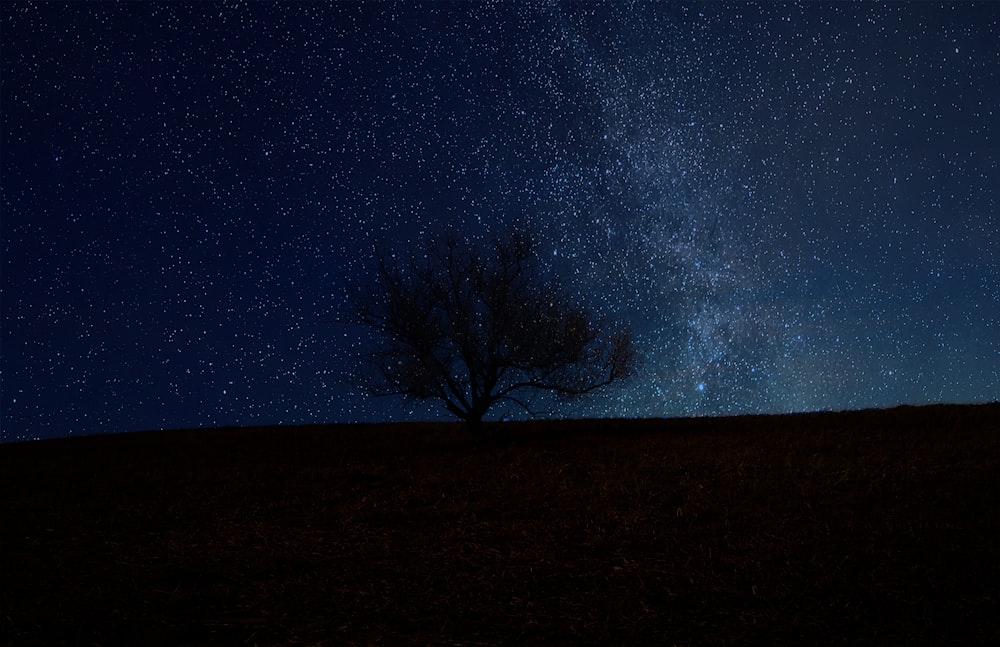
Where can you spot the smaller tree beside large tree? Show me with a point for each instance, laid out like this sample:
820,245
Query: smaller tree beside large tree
471,326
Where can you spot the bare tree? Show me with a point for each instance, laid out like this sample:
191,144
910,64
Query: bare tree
471,326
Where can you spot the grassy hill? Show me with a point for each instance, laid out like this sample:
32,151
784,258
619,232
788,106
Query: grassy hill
877,527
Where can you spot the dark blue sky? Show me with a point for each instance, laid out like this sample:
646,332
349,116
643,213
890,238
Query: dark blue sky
795,205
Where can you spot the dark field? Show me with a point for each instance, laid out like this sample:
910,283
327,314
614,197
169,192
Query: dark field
854,528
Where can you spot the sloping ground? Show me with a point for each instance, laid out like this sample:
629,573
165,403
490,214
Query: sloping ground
873,528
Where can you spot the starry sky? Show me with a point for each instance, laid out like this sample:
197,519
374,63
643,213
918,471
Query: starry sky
795,206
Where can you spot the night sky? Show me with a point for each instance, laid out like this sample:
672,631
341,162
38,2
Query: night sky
796,206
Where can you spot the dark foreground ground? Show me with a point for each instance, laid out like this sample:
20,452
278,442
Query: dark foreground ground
857,528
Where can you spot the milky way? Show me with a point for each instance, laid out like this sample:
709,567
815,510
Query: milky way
793,205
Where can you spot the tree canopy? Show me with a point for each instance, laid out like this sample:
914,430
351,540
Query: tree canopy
472,325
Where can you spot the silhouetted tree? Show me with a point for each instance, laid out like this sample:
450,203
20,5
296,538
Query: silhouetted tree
473,325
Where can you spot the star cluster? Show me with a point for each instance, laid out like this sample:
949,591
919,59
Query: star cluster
794,205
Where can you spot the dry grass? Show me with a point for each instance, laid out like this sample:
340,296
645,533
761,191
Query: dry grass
872,527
